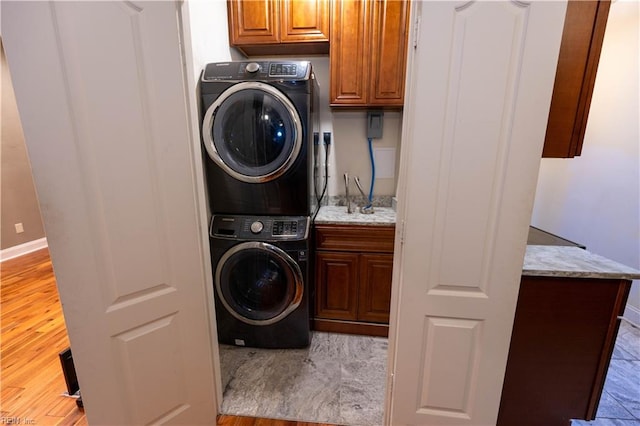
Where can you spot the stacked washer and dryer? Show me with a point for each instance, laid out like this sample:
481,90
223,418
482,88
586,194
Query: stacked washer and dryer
257,132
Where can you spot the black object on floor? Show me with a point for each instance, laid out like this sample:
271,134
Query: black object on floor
69,372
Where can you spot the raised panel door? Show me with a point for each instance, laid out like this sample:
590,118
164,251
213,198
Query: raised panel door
473,128
375,287
253,22
304,20
350,52
113,161
390,29
336,285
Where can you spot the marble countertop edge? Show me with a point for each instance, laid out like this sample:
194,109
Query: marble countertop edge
337,215
567,261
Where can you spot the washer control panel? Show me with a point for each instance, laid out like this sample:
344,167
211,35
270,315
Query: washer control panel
267,228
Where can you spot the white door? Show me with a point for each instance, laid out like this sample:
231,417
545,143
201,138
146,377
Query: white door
101,94
480,87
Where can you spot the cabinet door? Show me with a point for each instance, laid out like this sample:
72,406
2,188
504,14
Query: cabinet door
349,53
336,285
125,232
562,340
390,30
375,287
304,20
582,39
253,22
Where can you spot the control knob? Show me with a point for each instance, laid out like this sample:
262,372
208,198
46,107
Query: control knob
256,227
252,67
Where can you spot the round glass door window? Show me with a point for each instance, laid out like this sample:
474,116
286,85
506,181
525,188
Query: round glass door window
253,132
258,283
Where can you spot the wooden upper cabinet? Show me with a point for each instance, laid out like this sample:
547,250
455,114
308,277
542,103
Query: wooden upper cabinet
389,52
368,52
580,48
349,54
304,21
253,22
277,27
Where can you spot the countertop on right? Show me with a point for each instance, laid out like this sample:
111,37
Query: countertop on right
568,261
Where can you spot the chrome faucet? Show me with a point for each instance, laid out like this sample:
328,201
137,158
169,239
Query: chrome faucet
368,208
346,190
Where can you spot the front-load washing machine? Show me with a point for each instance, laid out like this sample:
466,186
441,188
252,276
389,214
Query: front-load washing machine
257,130
261,270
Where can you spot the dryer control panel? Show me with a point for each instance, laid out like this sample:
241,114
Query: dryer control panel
257,70
263,228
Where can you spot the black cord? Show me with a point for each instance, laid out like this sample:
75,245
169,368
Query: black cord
326,181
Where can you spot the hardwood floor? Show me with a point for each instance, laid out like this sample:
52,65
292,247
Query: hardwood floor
33,334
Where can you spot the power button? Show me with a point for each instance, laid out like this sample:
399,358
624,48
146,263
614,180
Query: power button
252,67
256,227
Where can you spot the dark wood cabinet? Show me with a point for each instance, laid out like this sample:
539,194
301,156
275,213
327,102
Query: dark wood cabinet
353,278
580,48
368,52
374,295
337,289
563,336
276,27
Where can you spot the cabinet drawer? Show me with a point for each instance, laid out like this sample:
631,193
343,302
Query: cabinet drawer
358,238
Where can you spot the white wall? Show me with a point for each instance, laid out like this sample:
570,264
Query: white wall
594,199
209,33
350,150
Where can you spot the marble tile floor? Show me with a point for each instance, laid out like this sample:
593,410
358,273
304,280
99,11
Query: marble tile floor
620,402
339,379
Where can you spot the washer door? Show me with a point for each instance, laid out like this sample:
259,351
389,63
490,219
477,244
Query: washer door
253,132
258,283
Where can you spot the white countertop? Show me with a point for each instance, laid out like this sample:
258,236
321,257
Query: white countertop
566,261
336,215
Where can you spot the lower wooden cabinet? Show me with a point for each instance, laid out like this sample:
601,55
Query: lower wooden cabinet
354,267
563,336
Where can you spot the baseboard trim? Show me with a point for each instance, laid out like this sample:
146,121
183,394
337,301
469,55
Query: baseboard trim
22,249
350,327
632,315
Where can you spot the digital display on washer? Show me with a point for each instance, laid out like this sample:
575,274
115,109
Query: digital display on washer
281,227
283,70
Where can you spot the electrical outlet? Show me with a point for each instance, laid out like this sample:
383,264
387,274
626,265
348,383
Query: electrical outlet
19,228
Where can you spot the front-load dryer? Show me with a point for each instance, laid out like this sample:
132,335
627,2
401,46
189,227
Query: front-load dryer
257,131
261,268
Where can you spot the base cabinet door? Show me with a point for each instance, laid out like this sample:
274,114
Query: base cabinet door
561,345
375,287
336,297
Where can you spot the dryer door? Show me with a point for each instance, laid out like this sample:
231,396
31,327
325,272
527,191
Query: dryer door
253,132
258,283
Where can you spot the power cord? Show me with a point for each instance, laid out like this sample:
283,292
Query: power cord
327,147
